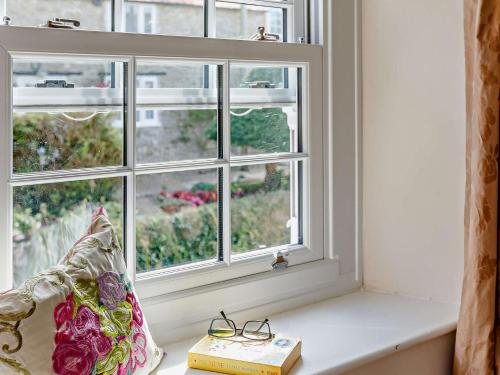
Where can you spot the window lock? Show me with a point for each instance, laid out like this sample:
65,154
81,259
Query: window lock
260,85
61,23
280,262
55,83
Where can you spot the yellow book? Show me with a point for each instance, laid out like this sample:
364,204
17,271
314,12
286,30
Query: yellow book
239,356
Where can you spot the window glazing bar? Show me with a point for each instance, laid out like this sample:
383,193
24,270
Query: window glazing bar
266,158
23,179
187,165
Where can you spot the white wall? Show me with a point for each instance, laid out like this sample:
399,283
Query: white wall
413,146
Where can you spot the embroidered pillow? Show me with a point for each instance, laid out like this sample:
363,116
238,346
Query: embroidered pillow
79,317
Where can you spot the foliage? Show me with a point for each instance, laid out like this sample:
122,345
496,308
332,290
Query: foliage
166,240
189,235
264,129
51,142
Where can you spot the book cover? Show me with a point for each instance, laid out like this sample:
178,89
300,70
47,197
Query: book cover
240,356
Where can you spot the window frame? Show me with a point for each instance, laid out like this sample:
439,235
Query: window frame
133,47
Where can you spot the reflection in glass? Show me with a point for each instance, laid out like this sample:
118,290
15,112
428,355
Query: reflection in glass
260,206
50,218
176,117
68,114
240,21
93,15
176,219
248,76
259,131
76,73
169,75
183,18
55,141
270,125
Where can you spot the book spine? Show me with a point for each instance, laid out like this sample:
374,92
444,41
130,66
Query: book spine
230,366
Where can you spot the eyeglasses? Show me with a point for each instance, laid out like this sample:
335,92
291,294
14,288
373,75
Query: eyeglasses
258,330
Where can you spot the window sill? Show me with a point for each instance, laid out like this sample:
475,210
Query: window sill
359,327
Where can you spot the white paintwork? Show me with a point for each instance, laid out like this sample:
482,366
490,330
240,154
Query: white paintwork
21,41
433,357
344,333
414,145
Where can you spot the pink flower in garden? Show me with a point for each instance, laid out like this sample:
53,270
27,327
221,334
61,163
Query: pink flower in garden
111,289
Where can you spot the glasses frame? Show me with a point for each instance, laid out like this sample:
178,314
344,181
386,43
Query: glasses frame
241,331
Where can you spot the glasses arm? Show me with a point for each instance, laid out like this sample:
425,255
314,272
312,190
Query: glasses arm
226,319
262,325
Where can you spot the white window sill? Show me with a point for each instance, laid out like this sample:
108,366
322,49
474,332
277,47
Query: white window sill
345,332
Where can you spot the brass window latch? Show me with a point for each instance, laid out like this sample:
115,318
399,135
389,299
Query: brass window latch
280,262
61,23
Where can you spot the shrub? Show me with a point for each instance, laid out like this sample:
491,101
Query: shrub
188,235
66,144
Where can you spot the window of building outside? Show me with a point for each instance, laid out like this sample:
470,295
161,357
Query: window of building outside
219,172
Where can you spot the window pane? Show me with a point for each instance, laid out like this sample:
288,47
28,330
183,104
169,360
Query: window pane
168,17
75,120
261,207
160,74
177,117
50,218
46,141
93,15
68,73
264,110
240,21
173,135
177,220
251,76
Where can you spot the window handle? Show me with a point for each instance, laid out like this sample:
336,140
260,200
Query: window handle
280,262
61,23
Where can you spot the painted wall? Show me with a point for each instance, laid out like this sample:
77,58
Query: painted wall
414,141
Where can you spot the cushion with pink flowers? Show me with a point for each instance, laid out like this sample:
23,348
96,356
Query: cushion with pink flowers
80,317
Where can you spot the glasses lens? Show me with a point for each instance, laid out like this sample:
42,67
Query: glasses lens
257,330
222,328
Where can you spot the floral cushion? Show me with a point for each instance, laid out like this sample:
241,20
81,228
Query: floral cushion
80,317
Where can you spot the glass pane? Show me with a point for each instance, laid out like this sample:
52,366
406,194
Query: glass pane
93,15
67,114
261,206
68,73
173,135
168,17
164,75
264,110
240,21
50,218
177,220
255,77
176,117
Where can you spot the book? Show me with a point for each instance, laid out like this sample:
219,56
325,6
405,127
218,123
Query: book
240,356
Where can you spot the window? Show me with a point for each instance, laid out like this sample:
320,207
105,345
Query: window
210,18
202,155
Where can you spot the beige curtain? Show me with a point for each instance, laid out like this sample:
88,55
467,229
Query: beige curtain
477,349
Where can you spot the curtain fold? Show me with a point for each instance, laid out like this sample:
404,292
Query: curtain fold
477,347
